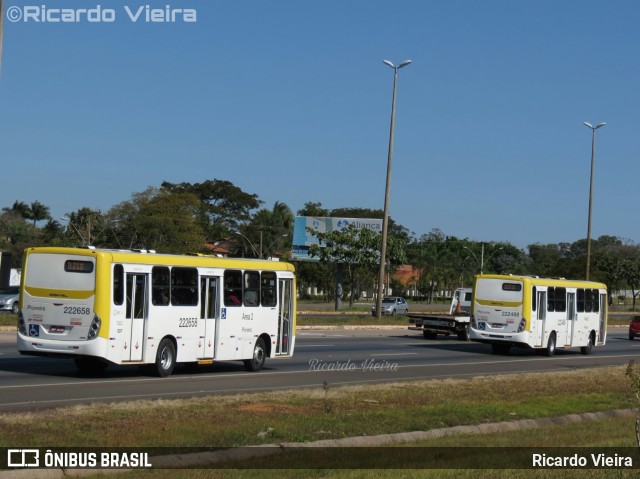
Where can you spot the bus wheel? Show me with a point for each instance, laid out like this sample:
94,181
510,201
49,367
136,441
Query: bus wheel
165,358
90,365
551,345
257,360
589,347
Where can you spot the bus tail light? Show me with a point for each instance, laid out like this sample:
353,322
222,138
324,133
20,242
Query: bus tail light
21,327
94,329
523,324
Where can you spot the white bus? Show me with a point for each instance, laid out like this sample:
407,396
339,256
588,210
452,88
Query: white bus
538,313
126,307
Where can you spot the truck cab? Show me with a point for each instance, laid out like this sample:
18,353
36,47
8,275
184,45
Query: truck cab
462,297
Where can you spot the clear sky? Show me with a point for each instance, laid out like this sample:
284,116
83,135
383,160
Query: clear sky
290,100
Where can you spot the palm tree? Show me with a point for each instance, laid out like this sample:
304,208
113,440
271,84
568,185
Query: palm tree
38,212
20,208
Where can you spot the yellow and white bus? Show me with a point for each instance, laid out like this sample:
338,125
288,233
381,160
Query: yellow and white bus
543,314
138,307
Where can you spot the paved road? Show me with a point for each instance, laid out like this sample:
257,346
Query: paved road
334,357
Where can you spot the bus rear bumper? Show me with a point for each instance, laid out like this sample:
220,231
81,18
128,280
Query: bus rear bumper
489,337
45,347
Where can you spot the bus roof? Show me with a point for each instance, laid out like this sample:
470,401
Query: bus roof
535,280
145,257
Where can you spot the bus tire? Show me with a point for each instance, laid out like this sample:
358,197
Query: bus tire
551,345
589,347
258,357
165,358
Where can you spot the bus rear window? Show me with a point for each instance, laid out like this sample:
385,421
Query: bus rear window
60,271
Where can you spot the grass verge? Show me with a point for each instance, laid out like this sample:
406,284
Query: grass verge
323,413
598,435
338,412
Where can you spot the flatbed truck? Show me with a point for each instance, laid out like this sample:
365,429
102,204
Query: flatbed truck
456,322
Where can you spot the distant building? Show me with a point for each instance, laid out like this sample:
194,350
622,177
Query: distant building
408,276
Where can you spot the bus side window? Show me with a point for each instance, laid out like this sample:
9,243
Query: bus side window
184,286
268,288
232,288
160,284
561,299
534,298
118,284
581,305
251,290
592,303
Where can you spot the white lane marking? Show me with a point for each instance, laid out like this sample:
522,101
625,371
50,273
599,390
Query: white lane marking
393,354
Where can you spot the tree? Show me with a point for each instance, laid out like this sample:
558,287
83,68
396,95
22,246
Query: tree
86,227
313,209
161,220
269,229
20,208
315,274
631,274
223,207
356,248
544,259
431,255
38,212
16,235
609,269
53,234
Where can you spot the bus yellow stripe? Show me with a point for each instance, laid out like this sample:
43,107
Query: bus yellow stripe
504,304
59,293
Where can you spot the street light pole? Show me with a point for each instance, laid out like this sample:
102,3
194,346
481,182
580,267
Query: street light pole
255,251
489,256
476,258
385,219
593,156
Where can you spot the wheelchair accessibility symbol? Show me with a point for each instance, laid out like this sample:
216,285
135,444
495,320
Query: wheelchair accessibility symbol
34,330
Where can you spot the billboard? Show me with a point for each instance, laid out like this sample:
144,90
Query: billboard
305,227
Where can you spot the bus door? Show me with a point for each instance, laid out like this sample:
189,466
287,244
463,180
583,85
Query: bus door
541,316
285,317
209,287
571,318
136,316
